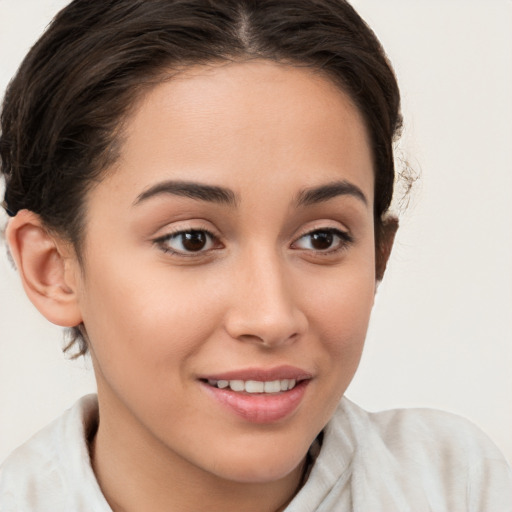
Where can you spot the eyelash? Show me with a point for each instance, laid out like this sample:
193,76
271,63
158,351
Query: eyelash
345,240
161,242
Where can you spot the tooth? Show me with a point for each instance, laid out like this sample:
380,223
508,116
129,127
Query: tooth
273,386
237,385
212,382
254,386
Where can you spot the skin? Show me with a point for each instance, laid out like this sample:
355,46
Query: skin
259,293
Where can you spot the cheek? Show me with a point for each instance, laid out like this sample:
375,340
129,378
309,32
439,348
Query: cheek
144,316
344,296
340,313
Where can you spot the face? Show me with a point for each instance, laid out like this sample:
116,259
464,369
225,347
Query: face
229,268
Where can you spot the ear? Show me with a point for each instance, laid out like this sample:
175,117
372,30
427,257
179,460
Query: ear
48,268
384,244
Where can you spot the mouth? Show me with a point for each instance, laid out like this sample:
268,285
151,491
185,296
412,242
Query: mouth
254,386
259,396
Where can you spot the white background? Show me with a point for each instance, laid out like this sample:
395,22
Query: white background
441,334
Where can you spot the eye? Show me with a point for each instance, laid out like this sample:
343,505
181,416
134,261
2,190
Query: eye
187,242
324,240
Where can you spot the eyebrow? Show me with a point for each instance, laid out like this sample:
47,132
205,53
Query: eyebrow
328,191
199,191
221,195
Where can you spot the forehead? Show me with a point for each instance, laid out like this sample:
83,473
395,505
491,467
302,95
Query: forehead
258,121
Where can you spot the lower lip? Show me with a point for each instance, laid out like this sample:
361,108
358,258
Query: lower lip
260,408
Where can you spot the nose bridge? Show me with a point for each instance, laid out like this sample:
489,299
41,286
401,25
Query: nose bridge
264,306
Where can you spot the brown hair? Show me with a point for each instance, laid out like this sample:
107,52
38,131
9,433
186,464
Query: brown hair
63,111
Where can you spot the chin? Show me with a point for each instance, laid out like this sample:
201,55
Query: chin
254,470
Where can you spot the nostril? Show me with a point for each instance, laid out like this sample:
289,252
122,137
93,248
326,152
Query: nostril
250,337
268,340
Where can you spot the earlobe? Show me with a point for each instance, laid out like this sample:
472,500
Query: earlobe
47,269
384,243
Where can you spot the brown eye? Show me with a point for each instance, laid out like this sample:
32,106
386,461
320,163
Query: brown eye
194,241
187,242
323,240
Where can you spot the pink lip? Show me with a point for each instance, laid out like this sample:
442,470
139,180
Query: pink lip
260,408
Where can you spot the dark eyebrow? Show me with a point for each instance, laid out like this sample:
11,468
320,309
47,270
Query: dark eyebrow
310,196
200,191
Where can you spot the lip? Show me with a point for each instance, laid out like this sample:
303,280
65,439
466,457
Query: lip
261,374
259,408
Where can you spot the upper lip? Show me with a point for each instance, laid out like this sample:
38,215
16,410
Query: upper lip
261,374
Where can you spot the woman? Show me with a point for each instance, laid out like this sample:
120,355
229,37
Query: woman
200,191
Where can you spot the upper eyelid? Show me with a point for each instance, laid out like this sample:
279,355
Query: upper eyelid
345,232
161,240
210,232
216,238
324,228
181,231
169,231
345,236
172,234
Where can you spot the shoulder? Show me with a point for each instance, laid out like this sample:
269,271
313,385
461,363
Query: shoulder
421,429
445,455
31,468
432,429
42,473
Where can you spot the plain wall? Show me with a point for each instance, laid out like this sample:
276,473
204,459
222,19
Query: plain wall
441,333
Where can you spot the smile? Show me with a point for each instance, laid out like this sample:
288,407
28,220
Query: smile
254,386
258,395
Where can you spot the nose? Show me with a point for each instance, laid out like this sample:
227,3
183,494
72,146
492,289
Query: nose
264,306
